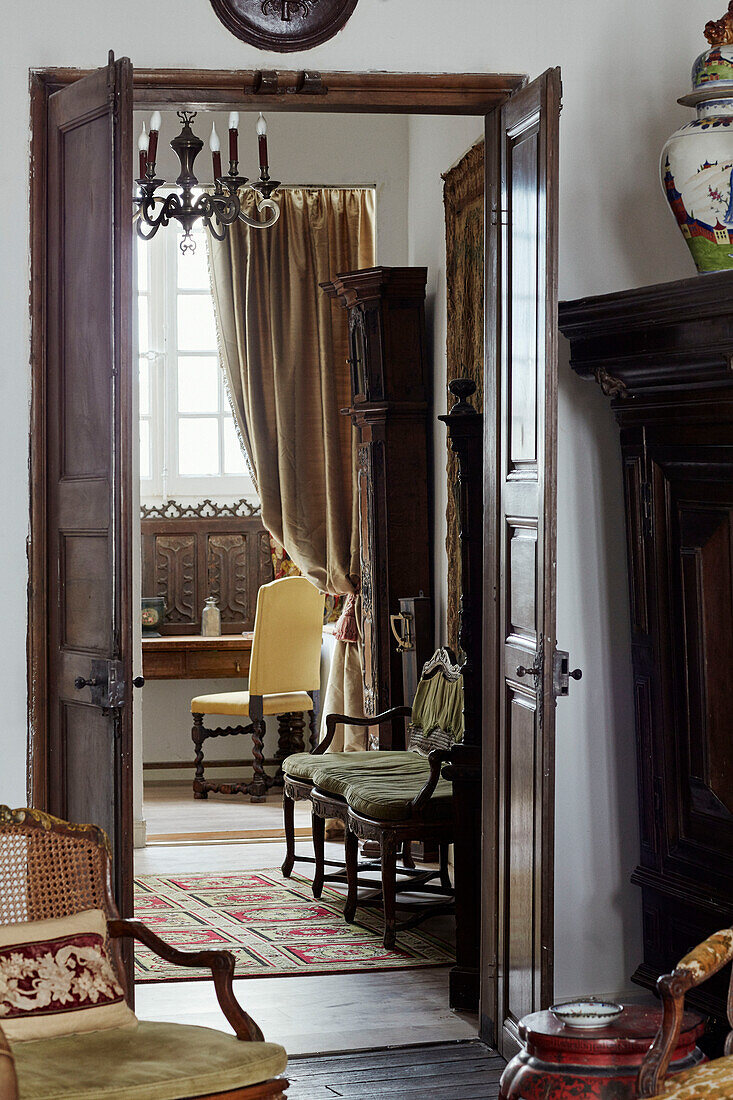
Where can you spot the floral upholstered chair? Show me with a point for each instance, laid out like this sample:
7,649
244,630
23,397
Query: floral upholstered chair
712,1080
66,1030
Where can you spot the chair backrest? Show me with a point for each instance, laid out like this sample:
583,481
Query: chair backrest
49,868
437,709
286,648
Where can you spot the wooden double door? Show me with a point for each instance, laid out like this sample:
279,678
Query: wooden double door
81,593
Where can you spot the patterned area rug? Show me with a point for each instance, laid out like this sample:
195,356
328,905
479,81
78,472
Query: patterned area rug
272,925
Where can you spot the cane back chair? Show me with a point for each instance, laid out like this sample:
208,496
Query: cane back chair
50,869
712,1080
284,680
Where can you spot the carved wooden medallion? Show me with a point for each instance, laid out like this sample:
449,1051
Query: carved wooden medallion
284,25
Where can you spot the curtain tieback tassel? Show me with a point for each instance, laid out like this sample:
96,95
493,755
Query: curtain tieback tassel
346,629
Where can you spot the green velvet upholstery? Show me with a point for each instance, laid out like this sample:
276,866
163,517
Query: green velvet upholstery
153,1061
380,785
302,765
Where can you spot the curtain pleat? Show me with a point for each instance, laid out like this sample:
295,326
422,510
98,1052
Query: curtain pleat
284,347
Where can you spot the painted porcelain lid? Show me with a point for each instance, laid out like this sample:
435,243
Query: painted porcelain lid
715,66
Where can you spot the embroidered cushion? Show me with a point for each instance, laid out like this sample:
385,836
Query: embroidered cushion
56,978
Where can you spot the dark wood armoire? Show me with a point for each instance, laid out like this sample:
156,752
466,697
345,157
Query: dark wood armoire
664,356
390,401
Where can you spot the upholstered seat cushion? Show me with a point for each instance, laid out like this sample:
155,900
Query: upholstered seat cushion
303,765
712,1081
237,702
381,785
153,1061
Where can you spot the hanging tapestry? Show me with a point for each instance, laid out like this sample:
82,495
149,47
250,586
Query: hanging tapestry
463,197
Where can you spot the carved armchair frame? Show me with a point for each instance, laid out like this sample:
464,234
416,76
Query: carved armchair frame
97,893
702,963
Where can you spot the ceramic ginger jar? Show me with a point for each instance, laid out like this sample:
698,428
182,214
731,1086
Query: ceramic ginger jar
697,161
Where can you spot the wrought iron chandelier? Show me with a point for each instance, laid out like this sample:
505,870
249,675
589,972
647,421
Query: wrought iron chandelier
217,209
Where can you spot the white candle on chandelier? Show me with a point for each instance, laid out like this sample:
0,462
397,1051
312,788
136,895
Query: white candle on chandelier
142,145
155,121
215,146
262,140
233,136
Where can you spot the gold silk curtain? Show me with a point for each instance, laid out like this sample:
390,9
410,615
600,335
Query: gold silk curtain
284,345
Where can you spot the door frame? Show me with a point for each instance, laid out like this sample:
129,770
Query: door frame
398,93
479,94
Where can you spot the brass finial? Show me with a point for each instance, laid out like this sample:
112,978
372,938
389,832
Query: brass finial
719,32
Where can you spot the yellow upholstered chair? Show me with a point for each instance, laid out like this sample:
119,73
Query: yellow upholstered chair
711,1080
53,873
284,680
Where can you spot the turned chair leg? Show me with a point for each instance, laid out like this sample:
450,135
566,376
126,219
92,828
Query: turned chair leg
445,881
352,872
407,860
199,790
389,882
318,828
289,826
259,779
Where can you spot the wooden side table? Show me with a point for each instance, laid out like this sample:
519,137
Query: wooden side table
563,1063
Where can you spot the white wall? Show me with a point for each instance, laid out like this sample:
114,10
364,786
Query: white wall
623,67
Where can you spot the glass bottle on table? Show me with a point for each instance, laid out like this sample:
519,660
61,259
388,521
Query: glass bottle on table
211,619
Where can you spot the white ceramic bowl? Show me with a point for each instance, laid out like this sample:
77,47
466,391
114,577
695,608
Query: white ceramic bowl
587,1013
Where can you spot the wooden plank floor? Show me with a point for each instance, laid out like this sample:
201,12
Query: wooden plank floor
308,1014
442,1071
172,814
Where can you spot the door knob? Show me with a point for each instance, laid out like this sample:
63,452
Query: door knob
576,674
138,682
534,670
80,682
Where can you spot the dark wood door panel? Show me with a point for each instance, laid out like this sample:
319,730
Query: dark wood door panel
521,798
88,390
90,788
522,303
699,556
85,612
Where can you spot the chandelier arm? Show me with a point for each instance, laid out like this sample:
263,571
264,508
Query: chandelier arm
225,208
169,208
146,236
263,204
215,232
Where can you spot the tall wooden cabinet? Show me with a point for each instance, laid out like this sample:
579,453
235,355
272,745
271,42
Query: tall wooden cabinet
390,403
664,356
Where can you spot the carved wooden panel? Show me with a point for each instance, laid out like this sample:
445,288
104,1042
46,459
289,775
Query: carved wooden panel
187,559
229,576
175,577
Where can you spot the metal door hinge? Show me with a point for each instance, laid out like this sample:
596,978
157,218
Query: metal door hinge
561,674
499,217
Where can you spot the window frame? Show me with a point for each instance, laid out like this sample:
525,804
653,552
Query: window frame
163,354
